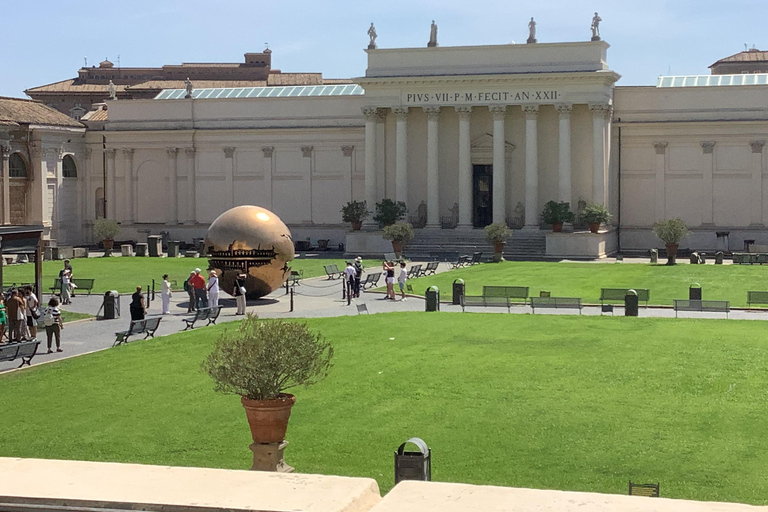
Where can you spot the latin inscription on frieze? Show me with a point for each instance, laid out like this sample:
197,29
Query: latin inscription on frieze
482,97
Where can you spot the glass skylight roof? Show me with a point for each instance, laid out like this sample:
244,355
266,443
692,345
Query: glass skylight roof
293,91
713,80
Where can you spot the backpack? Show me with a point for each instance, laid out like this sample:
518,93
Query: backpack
48,318
187,286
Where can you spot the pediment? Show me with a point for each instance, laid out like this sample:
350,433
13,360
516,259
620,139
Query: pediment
485,143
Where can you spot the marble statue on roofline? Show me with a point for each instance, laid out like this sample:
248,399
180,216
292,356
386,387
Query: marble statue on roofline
531,32
188,86
112,90
432,35
372,34
596,27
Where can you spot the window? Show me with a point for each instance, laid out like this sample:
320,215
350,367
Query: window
69,167
18,169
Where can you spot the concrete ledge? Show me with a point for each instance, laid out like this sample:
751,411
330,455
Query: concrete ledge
62,485
582,244
367,244
442,497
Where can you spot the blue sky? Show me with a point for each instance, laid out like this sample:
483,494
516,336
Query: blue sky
46,40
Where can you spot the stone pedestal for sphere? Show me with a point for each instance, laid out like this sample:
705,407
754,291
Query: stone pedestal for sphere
269,457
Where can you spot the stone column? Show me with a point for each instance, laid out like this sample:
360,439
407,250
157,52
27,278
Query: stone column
112,195
269,170
599,170
433,177
6,148
371,119
756,166
707,185
564,154
191,210
55,156
173,164
401,158
531,167
499,164
85,197
660,169
229,174
465,168
130,206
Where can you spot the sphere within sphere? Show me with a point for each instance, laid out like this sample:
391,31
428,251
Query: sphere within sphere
254,241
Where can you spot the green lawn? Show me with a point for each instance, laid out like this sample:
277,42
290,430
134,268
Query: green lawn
556,402
124,274
584,280
71,316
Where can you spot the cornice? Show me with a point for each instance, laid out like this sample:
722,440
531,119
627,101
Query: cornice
606,77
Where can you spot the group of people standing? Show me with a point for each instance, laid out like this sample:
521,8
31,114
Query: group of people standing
20,313
354,271
352,275
202,294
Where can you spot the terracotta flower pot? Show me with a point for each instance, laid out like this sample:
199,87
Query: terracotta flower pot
671,253
498,251
397,246
557,227
356,226
268,419
594,227
108,244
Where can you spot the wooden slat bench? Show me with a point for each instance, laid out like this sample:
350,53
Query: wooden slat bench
148,326
648,490
756,297
202,314
461,262
81,284
618,294
332,271
496,296
414,271
371,280
704,306
482,300
430,269
24,350
475,259
556,303
295,278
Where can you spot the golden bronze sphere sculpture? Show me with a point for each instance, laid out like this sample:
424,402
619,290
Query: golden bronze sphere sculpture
253,241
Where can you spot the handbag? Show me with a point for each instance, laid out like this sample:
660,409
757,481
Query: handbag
242,290
36,313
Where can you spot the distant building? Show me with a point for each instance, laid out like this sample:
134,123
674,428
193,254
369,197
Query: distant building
749,61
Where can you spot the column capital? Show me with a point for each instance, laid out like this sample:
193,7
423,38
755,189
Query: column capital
371,113
267,151
564,109
432,113
172,152
347,150
88,153
306,151
401,113
229,152
707,147
600,109
5,149
661,147
190,152
110,152
531,111
498,111
128,153
757,146
464,112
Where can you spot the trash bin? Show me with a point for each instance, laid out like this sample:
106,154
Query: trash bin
654,255
631,303
141,249
694,292
173,248
413,465
155,243
719,258
111,305
458,291
433,299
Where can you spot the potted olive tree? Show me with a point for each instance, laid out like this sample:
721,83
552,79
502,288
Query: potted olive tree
262,359
106,230
497,233
355,212
556,214
595,214
671,232
388,212
399,233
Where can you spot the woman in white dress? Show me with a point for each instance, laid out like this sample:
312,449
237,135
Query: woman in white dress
213,290
166,295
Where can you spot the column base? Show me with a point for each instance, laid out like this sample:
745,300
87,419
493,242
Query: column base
269,457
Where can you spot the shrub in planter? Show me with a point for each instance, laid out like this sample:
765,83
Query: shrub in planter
355,212
595,214
497,233
671,232
106,230
556,214
262,359
398,233
388,212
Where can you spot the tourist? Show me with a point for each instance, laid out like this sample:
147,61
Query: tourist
191,292
66,274
213,289
32,311
165,295
53,324
137,307
3,317
358,275
349,278
389,272
240,292
198,283
401,278
16,315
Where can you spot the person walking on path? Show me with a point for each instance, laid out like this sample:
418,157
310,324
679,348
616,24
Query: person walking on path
32,311
191,292
165,295
3,317
65,280
358,276
16,316
198,283
389,272
53,324
349,278
401,278
213,290
239,293
138,307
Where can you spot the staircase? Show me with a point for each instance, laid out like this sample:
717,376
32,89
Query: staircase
447,244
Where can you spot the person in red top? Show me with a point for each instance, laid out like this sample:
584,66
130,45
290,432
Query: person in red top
198,283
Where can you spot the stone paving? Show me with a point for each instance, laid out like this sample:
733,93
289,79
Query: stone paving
313,298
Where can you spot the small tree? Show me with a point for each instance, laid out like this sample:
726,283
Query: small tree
557,213
497,232
388,212
594,213
671,232
354,211
105,229
399,232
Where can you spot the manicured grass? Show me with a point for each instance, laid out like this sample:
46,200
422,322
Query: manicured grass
556,402
71,316
124,274
584,280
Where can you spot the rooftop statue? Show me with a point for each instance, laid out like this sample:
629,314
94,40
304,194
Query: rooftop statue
372,34
188,86
531,32
112,89
432,35
596,27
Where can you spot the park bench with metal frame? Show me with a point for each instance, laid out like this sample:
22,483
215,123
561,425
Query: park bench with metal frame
556,303
496,296
703,306
485,301
414,271
475,259
430,269
80,284
462,261
647,490
756,297
202,314
24,350
148,326
296,277
390,256
333,272
371,280
618,294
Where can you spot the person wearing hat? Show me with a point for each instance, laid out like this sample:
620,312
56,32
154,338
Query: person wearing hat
213,289
198,283
349,277
165,295
358,276
191,292
239,293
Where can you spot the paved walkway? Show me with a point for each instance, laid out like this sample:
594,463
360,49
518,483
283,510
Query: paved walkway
314,298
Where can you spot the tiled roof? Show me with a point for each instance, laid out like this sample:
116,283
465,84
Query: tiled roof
15,110
70,85
197,84
748,56
336,81
96,115
295,79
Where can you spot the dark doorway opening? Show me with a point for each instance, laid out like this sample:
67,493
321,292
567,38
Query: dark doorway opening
482,195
